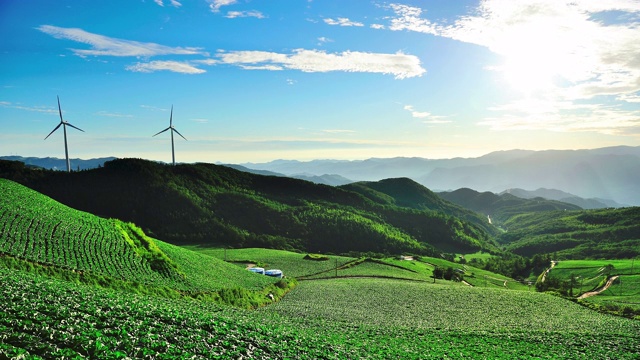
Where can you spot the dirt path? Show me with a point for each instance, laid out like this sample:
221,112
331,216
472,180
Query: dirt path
598,291
544,277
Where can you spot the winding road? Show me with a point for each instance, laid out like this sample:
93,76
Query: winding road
598,291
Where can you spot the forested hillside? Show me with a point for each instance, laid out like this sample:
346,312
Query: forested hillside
210,204
502,207
405,192
599,234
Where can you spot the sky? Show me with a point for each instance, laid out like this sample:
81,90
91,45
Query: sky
257,80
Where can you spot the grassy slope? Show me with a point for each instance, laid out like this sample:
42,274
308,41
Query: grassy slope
38,229
209,204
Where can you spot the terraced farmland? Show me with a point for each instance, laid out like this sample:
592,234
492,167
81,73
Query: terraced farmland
36,228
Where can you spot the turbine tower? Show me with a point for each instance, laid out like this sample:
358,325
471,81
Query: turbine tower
64,125
173,152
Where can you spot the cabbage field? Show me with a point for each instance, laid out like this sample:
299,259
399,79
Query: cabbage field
46,318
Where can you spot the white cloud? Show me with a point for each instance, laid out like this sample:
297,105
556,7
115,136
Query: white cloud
106,46
242,14
215,5
377,26
563,116
398,64
28,108
174,66
109,114
174,3
409,19
342,22
429,118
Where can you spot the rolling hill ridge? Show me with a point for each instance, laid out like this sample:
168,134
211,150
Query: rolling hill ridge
210,204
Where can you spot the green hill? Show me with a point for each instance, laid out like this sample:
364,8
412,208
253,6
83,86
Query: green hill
502,207
38,230
209,204
405,192
596,234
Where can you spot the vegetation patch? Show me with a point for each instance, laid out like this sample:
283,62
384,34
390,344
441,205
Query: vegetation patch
316,257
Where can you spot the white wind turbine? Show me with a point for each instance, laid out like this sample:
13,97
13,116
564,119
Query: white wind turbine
64,125
173,153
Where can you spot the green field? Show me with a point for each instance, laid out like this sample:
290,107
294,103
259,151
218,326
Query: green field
591,274
332,319
292,264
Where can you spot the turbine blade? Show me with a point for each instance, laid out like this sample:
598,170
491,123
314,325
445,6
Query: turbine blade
77,128
59,108
169,128
54,130
171,117
174,129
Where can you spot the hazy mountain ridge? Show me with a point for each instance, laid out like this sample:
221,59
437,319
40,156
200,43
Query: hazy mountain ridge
500,208
606,173
553,194
52,163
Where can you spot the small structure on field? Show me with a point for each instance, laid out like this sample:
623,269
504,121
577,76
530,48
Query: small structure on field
274,272
406,257
257,270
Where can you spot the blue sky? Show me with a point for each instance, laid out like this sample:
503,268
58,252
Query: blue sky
254,81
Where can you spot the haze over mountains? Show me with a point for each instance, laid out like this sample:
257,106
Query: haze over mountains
596,178
611,173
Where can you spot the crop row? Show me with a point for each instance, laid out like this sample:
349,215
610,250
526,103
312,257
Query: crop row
53,319
36,228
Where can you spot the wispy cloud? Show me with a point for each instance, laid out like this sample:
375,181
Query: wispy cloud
398,64
41,109
173,3
323,40
244,14
342,22
428,117
338,131
215,5
106,46
110,114
174,66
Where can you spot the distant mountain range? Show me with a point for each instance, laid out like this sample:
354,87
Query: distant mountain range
597,178
611,173
58,164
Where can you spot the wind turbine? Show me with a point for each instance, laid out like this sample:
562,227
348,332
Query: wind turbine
64,125
173,152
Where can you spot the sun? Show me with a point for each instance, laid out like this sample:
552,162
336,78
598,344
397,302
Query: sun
528,74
